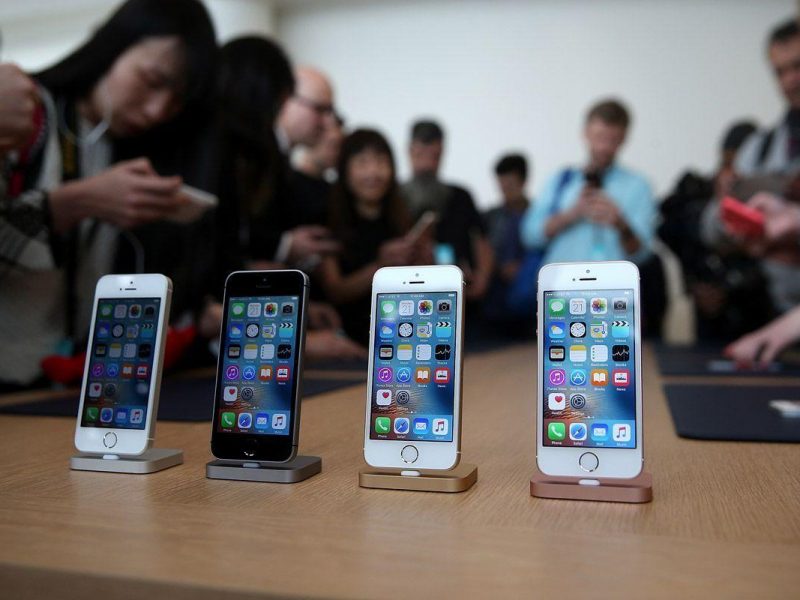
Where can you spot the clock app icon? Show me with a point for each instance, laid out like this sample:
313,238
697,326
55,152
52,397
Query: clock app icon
577,329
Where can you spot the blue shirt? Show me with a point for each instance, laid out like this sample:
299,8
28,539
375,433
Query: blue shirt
585,241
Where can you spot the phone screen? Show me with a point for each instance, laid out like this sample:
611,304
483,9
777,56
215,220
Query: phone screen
589,369
258,365
121,363
414,362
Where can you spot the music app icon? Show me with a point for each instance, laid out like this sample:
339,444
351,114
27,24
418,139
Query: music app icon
440,427
621,432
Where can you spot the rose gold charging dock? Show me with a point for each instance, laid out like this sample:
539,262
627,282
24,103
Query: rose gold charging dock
637,490
458,479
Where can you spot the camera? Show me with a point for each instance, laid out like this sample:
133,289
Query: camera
443,306
620,304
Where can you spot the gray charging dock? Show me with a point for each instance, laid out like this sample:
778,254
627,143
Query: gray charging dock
151,461
293,471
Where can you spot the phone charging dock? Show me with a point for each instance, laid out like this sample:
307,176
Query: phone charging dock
298,469
458,479
150,461
637,490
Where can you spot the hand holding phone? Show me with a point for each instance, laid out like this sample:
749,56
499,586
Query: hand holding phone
196,203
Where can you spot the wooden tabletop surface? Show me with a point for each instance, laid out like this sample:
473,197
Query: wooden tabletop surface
725,521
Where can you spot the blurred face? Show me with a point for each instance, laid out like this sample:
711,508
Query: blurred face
326,153
511,185
785,60
604,141
142,89
425,158
309,112
369,175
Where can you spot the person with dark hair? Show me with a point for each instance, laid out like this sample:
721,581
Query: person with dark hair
144,70
370,219
460,231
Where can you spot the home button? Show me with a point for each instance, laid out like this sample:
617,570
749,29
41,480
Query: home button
588,462
110,439
249,448
409,454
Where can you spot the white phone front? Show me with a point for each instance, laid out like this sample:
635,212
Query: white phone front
413,414
589,394
122,376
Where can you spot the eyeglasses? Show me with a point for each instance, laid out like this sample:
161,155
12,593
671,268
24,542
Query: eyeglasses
322,110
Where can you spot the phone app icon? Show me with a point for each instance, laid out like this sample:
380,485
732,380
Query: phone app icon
145,350
107,415
423,352
254,310
577,401
129,350
405,329
403,375
227,419
444,329
234,351
599,432
444,306
556,432
282,374
230,393
122,415
442,352
284,351
148,330
127,371
598,306
577,306
620,329
269,331
245,420
557,376
120,311
406,308
137,416
577,432
599,377
621,377
387,308
402,397
621,432
117,330
270,309
577,329
141,372
599,353
92,413
556,331
386,330
404,351
556,307
386,352
97,370
232,373
577,353
262,420
557,353
115,350
249,372
135,311
112,369
425,308
383,425
441,375
385,374
556,401
95,389
620,304
420,425
440,426
577,377
267,352
103,330
424,330
422,375
598,329
279,421
621,353
265,373
106,310
235,331
401,425
237,309
383,397
252,330
287,308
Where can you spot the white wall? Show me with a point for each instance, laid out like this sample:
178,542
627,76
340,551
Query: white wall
509,74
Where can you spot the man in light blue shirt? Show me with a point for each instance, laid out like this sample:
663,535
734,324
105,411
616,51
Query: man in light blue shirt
605,212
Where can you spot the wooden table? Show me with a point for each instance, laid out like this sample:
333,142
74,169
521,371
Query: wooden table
725,521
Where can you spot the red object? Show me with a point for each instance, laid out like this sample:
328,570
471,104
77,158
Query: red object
741,219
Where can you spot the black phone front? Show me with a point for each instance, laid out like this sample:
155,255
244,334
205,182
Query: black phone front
257,396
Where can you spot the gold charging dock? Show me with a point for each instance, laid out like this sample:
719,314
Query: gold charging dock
458,479
637,490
